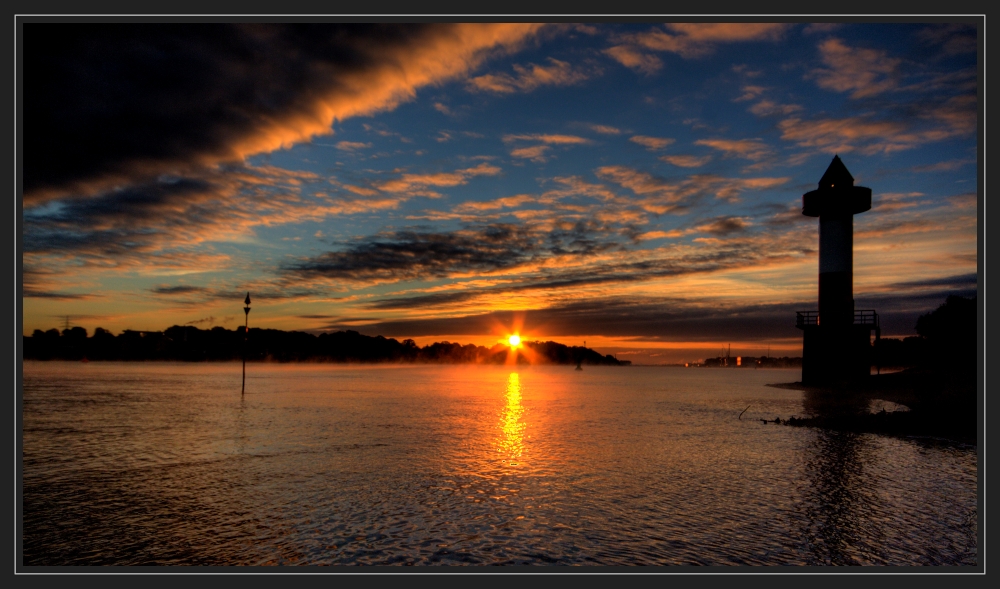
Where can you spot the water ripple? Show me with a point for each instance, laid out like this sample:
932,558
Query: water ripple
128,464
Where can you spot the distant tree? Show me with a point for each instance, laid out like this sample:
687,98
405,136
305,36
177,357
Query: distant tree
75,333
951,331
955,318
102,345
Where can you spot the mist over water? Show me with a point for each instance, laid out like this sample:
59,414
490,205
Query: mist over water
161,463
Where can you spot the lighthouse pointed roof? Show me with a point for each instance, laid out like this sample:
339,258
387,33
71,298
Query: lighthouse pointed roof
836,175
837,194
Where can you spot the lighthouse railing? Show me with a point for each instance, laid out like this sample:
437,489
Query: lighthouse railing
804,318
866,317
861,317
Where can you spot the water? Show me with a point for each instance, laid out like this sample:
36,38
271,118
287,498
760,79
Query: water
162,463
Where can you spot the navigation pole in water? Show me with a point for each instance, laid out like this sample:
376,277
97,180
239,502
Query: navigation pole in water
246,325
836,338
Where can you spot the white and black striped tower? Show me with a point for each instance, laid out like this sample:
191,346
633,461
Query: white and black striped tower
836,338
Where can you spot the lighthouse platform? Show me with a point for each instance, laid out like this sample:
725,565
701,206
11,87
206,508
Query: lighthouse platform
837,353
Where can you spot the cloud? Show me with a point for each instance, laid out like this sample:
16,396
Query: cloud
766,108
689,40
664,318
651,143
177,290
173,225
42,284
957,116
751,149
821,27
954,38
535,153
413,255
416,183
686,161
634,59
352,145
550,139
744,70
967,281
863,72
893,201
749,93
183,97
604,129
656,318
658,235
722,226
442,108
509,202
663,196
526,79
945,166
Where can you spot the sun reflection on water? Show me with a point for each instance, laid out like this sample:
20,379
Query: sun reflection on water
511,443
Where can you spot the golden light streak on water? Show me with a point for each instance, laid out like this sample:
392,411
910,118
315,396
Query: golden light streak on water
511,442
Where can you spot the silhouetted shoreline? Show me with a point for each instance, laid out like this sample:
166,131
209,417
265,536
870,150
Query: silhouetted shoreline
190,344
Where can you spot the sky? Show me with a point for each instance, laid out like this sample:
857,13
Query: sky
634,186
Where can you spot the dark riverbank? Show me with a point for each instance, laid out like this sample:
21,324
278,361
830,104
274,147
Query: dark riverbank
921,402
190,344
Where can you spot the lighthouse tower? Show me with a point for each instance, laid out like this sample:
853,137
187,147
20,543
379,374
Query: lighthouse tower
836,339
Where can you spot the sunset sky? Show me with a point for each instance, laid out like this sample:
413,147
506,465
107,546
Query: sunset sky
634,185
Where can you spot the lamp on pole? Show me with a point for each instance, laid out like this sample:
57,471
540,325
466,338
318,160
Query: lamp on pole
246,325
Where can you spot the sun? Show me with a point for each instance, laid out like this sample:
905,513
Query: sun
514,341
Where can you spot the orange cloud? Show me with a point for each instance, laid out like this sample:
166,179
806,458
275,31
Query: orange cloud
605,129
651,143
526,79
508,202
752,149
635,59
410,182
661,235
392,73
698,39
872,136
766,108
689,40
749,93
576,186
686,161
551,139
724,226
863,72
352,145
663,196
535,153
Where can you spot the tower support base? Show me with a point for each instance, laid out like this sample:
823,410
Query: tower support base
834,354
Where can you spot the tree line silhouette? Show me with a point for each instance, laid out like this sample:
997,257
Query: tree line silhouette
189,343
946,338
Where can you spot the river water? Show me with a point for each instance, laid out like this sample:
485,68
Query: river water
166,463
